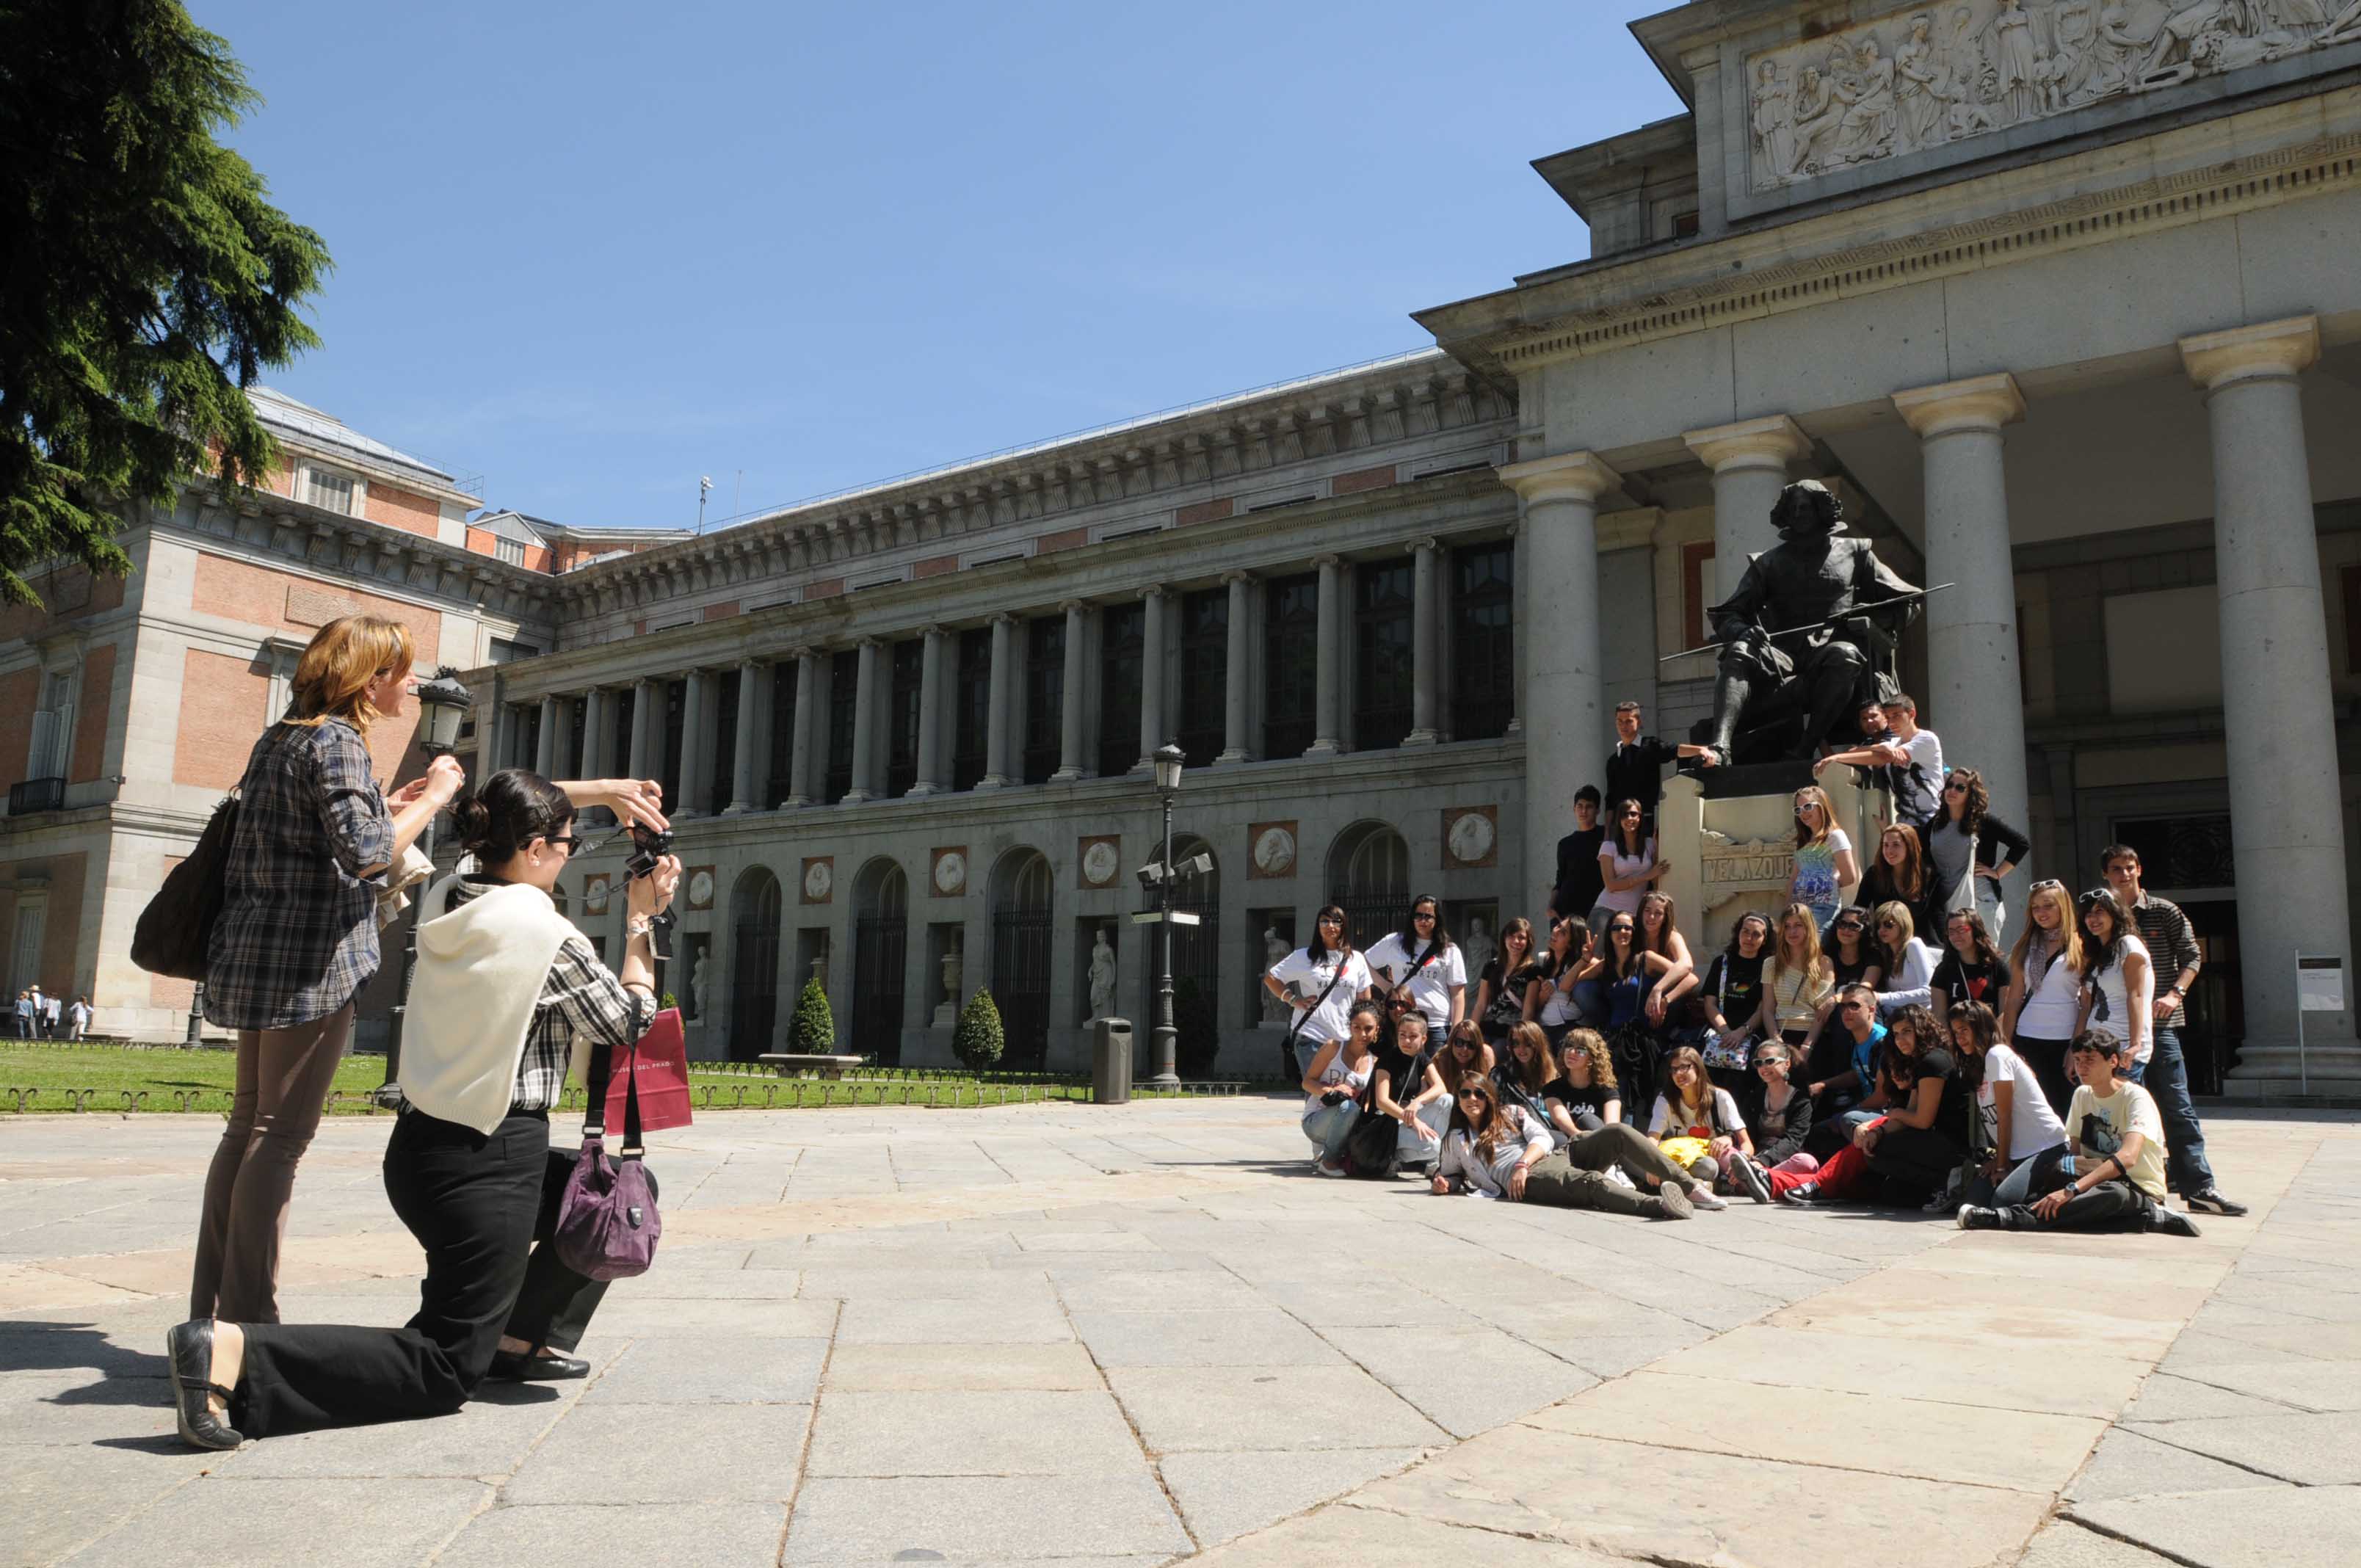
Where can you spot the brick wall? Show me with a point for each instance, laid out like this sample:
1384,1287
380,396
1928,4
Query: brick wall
19,693
400,509
537,557
67,594
222,703
283,601
91,710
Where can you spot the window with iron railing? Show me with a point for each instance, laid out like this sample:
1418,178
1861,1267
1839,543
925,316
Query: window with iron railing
1122,669
1483,642
1045,695
1384,649
1290,665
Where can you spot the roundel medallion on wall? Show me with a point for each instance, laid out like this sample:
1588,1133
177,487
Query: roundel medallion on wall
819,878
700,888
1470,836
1101,860
950,875
1272,849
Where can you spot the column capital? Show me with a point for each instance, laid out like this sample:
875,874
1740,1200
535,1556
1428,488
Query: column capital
1153,592
934,629
1570,476
1424,545
1771,443
1328,560
1238,575
1004,618
803,650
2215,360
1073,607
749,664
1979,402
868,640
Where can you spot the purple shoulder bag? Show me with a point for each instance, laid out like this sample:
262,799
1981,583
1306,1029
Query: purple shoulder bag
607,1218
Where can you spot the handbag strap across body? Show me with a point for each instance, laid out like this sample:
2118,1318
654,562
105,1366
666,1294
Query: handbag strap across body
1333,981
593,1118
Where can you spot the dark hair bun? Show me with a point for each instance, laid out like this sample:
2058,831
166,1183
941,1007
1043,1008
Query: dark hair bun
473,820
507,811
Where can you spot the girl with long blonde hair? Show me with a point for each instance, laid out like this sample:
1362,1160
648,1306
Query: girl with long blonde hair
1824,859
2045,989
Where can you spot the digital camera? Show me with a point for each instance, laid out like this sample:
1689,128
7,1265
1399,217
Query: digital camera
648,847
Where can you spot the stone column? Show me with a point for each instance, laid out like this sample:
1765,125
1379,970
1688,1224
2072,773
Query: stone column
647,732
1426,651
1327,711
545,755
931,718
800,752
741,765
1566,726
1974,696
1748,460
696,745
865,699
1235,747
1518,637
1070,716
1152,733
2288,830
598,733
997,771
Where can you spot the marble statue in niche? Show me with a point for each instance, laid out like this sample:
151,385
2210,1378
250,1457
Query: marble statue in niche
1103,974
1275,1010
1921,79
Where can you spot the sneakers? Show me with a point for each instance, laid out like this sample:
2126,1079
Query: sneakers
1803,1196
1941,1203
1616,1174
1675,1204
2165,1222
1702,1196
2211,1201
1750,1176
1326,1167
1973,1217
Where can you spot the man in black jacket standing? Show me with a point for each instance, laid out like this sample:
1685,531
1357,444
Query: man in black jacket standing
1579,882
1635,768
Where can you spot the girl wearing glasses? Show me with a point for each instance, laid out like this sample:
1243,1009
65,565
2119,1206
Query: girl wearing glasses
1628,861
1612,990
1969,849
1910,963
1825,866
1499,1151
1320,982
2045,989
1423,967
1852,955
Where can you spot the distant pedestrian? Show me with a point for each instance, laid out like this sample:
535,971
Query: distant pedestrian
78,1017
24,1014
52,1008
39,1010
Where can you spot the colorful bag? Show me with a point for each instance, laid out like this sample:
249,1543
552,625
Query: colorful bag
1732,1052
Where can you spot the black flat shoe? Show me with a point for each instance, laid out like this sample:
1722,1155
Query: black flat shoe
532,1366
190,1350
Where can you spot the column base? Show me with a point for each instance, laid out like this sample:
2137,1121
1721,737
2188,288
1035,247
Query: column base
1229,757
795,803
737,808
919,791
1067,775
856,797
1422,737
2329,1069
991,781
1324,748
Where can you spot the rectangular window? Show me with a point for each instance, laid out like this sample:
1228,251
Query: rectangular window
332,492
843,701
1483,641
1204,675
1290,665
504,651
510,549
1045,695
1697,593
53,728
783,734
1122,669
676,716
625,701
725,744
1384,653
972,705
903,715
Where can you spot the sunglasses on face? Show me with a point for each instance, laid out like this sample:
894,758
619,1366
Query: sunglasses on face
1330,920
1852,1007
1619,930
1422,915
1852,925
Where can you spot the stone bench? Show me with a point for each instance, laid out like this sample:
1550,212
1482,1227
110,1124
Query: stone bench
796,1064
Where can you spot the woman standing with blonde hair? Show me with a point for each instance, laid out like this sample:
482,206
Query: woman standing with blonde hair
2045,989
1824,859
297,939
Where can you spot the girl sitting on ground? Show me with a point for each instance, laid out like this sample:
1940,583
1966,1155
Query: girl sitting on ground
2014,1122
1582,1098
1408,1067
1779,1114
1334,1086
1525,1074
1907,1152
1699,1128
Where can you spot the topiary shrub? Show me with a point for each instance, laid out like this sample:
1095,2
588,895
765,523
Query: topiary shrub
1199,1036
813,1032
977,1039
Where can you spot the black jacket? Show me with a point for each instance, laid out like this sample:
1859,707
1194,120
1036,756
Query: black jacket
1768,1150
1637,772
1579,882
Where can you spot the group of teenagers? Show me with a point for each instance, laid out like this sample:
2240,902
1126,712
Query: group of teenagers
1828,1052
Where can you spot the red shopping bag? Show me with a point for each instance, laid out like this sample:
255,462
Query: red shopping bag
659,1065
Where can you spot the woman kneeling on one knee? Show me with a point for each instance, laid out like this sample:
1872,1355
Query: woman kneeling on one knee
506,991
1499,1151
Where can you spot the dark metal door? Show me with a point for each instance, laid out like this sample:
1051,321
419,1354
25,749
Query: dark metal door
1020,985
754,983
880,946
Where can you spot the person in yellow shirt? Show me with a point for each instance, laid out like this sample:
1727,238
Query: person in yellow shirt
2110,1177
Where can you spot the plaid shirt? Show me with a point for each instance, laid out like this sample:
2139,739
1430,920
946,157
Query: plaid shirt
2172,947
297,936
582,1005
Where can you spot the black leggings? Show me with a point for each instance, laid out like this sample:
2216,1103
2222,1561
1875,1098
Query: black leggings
2047,1060
477,1203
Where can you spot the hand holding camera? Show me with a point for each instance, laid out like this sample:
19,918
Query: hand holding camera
649,895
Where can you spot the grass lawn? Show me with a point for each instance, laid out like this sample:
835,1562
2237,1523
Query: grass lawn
147,1078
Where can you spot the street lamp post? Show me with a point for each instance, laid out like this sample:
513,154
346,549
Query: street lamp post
1167,1038
443,704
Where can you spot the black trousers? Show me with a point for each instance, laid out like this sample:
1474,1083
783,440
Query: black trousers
477,1203
2047,1060
2112,1205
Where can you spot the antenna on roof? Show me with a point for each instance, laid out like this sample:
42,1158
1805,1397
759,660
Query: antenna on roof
704,489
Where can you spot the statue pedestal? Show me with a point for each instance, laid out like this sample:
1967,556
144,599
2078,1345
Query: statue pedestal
1731,836
946,1014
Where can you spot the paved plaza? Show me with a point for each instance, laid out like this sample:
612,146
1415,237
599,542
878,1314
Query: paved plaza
1131,1334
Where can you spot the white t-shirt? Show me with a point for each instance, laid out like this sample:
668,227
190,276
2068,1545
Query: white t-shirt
1340,1074
1460,1157
1911,987
1724,1112
2131,1109
1918,784
2032,1124
2055,998
1614,862
1332,1019
1430,988
2113,1009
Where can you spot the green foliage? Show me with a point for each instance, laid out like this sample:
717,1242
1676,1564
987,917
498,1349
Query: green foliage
977,1040
145,278
1200,1034
813,1032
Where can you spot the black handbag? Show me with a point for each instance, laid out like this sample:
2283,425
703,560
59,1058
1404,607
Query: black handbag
1373,1148
174,933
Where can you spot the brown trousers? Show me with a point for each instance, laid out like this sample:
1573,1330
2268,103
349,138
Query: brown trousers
283,1077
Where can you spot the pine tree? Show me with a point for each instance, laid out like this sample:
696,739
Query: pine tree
814,1030
977,1040
145,278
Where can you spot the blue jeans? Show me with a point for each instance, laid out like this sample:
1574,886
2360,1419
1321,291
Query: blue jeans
2167,1080
1326,1126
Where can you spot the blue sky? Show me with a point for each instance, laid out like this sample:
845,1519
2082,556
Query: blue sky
591,251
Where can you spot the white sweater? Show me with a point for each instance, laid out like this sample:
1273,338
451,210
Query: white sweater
480,970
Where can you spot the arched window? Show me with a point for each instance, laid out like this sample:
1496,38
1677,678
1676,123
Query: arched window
1021,929
880,943
754,908
1369,875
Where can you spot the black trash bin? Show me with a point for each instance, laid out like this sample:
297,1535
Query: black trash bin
1111,1062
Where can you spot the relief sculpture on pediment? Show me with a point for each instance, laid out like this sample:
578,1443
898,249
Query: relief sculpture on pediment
1948,72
